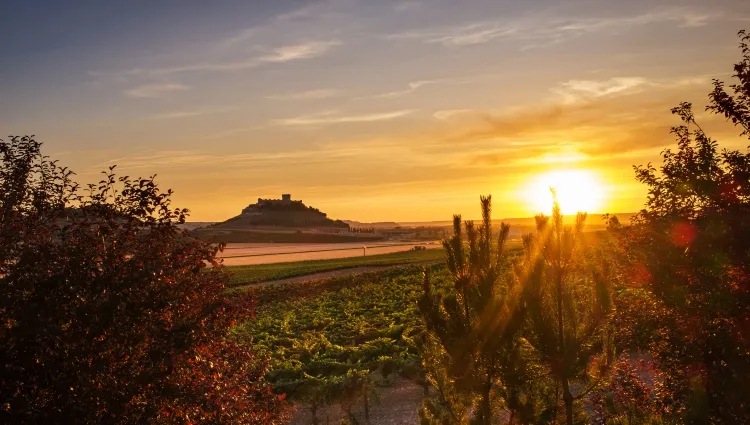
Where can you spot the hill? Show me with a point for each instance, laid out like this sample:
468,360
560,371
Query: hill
283,212
281,220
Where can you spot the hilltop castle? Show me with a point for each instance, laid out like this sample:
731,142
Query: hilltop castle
285,201
285,212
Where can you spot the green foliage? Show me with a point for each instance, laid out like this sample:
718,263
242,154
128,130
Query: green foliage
472,350
326,339
568,301
243,275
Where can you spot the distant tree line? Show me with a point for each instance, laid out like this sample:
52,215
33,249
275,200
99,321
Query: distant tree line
361,229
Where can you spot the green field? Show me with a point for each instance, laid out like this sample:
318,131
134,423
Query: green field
244,275
326,338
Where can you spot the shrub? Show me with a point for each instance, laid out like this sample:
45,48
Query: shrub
107,311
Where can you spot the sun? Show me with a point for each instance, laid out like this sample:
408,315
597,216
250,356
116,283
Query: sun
577,190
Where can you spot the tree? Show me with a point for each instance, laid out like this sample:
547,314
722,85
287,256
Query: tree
692,243
567,299
472,351
108,313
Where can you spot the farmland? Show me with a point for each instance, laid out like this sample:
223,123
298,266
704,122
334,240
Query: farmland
243,275
246,254
211,234
335,342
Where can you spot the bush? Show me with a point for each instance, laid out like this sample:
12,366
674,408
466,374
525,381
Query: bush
107,311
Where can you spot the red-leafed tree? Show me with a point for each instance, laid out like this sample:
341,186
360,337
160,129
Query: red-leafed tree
108,312
687,254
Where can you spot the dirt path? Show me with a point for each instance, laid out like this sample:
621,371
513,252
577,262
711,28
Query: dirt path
315,277
397,404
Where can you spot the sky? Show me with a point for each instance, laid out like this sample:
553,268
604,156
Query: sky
389,110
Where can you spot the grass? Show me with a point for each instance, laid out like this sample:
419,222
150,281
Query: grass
244,275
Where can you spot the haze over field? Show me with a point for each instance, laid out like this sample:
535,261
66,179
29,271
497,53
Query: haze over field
367,109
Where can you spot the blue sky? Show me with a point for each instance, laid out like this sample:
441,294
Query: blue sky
398,110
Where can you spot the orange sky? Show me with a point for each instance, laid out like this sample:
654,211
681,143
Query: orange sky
395,111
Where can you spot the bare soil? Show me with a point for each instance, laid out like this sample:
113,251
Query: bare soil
396,404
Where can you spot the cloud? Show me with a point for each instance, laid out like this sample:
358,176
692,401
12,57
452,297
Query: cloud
473,34
188,114
685,17
549,31
299,51
241,37
331,117
457,36
415,85
576,90
582,90
306,95
177,158
154,90
286,53
449,113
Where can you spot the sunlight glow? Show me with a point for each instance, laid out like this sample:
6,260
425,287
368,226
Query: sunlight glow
577,190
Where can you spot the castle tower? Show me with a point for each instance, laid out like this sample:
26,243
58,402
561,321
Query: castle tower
286,197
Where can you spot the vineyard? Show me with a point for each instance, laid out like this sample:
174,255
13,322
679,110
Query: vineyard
244,275
337,341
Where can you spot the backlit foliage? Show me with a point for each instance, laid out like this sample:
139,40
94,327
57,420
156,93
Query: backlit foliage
107,312
690,303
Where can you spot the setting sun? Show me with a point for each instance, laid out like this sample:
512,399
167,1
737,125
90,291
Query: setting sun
577,190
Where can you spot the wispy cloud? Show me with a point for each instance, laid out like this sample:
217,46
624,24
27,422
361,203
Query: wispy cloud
154,90
543,32
179,158
332,117
299,51
575,90
286,53
416,85
450,113
456,36
196,113
306,95
473,34
412,87
684,17
580,90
